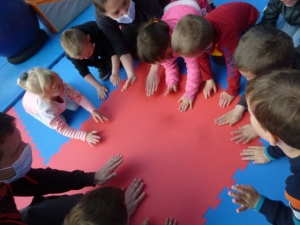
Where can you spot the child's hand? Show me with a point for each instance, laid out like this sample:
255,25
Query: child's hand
244,134
246,196
130,80
225,99
170,221
115,79
232,117
102,92
92,138
209,86
255,153
167,222
145,222
96,115
170,89
185,103
152,80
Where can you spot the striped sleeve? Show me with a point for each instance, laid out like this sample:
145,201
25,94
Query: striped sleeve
50,115
60,125
292,194
276,212
79,98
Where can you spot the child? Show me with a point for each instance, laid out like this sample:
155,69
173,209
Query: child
254,56
289,22
216,34
128,14
274,105
109,205
85,45
47,96
154,46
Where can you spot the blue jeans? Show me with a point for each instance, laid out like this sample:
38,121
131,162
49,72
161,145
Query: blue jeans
292,31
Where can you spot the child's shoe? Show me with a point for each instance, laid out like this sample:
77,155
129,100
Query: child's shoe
103,73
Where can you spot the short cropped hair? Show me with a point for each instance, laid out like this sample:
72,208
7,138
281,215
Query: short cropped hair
274,100
73,41
39,81
264,48
105,206
153,41
191,35
99,4
7,127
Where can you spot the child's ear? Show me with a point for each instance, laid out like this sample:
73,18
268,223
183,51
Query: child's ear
273,139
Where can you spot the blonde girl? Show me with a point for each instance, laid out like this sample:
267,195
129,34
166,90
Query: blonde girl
47,97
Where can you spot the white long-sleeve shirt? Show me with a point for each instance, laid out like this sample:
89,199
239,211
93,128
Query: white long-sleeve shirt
48,111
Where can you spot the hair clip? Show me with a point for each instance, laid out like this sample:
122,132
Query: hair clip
155,21
23,77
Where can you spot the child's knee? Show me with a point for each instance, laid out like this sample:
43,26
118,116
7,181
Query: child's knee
71,105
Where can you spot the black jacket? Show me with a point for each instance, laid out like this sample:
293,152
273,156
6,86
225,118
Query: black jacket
144,11
102,53
276,7
39,182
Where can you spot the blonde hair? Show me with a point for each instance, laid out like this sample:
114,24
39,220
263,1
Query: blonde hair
73,41
77,216
192,34
39,81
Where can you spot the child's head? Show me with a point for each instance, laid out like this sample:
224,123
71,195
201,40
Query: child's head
42,82
154,41
113,8
274,105
192,36
76,44
105,206
261,49
289,3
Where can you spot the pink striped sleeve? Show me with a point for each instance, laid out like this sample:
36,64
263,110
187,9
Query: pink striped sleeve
79,98
63,128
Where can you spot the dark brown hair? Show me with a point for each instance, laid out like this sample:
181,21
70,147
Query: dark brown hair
274,100
105,206
7,127
153,41
264,48
99,4
192,35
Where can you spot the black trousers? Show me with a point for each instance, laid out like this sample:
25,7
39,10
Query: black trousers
49,210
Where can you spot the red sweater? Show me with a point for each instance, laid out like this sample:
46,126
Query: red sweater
229,21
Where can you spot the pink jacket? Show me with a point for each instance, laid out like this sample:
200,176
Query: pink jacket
172,17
